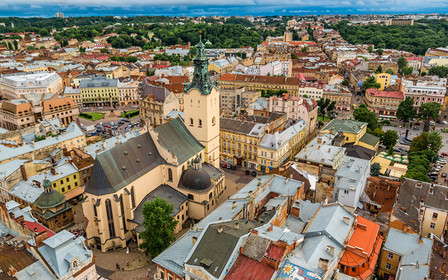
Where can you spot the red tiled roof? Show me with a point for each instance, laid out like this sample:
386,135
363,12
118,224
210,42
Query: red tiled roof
249,269
275,252
414,58
383,93
36,227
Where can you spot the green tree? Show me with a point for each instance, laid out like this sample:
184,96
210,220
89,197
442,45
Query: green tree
44,32
16,45
435,141
406,110
10,46
363,114
427,112
379,51
375,169
103,50
407,70
370,48
390,71
158,226
346,82
379,69
326,106
402,63
370,82
378,132
293,56
389,138
441,71
420,143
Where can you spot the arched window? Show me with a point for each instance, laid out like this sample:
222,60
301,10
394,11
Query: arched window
170,175
213,121
122,213
200,123
110,218
191,121
132,198
95,212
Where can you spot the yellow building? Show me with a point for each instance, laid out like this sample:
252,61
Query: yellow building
239,141
350,131
294,86
383,79
277,148
99,91
383,103
401,254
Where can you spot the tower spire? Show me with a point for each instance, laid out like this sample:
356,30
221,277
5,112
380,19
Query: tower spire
201,77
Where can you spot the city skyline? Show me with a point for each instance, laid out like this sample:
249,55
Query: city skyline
27,8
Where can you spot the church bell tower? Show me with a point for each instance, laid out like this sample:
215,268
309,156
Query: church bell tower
201,107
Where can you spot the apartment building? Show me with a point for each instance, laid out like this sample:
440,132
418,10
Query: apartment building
239,141
156,103
425,90
342,97
99,91
276,148
19,85
383,103
128,92
294,86
235,101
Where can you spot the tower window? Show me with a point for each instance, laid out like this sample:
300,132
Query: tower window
200,123
170,175
213,121
191,121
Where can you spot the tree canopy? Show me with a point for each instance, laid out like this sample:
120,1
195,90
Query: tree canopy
370,82
363,114
326,106
441,71
415,38
429,111
389,138
159,226
406,110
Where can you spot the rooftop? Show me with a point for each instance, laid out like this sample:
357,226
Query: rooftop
347,126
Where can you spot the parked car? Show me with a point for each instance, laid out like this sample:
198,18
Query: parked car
254,174
444,122
443,161
443,175
247,172
444,154
224,165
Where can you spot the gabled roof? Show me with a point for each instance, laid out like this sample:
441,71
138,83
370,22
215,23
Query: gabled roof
175,137
120,166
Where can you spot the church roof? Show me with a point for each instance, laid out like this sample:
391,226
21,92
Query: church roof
175,137
201,77
118,167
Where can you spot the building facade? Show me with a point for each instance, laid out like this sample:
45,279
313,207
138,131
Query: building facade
99,91
19,85
383,102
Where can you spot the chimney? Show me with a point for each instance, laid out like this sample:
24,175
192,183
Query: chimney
405,228
53,171
330,250
270,228
346,220
194,239
23,170
234,205
259,182
220,229
237,226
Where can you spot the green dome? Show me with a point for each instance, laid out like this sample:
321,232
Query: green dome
50,197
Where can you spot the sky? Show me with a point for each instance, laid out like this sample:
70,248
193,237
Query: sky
48,8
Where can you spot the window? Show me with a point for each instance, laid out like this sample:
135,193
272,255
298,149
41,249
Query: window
67,179
76,184
432,225
190,196
191,121
132,197
434,216
388,266
200,123
122,213
213,121
170,175
63,190
390,256
345,191
110,218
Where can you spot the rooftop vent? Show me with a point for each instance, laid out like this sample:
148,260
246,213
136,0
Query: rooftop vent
125,153
123,167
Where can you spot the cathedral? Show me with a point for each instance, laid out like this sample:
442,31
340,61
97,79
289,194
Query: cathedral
177,161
